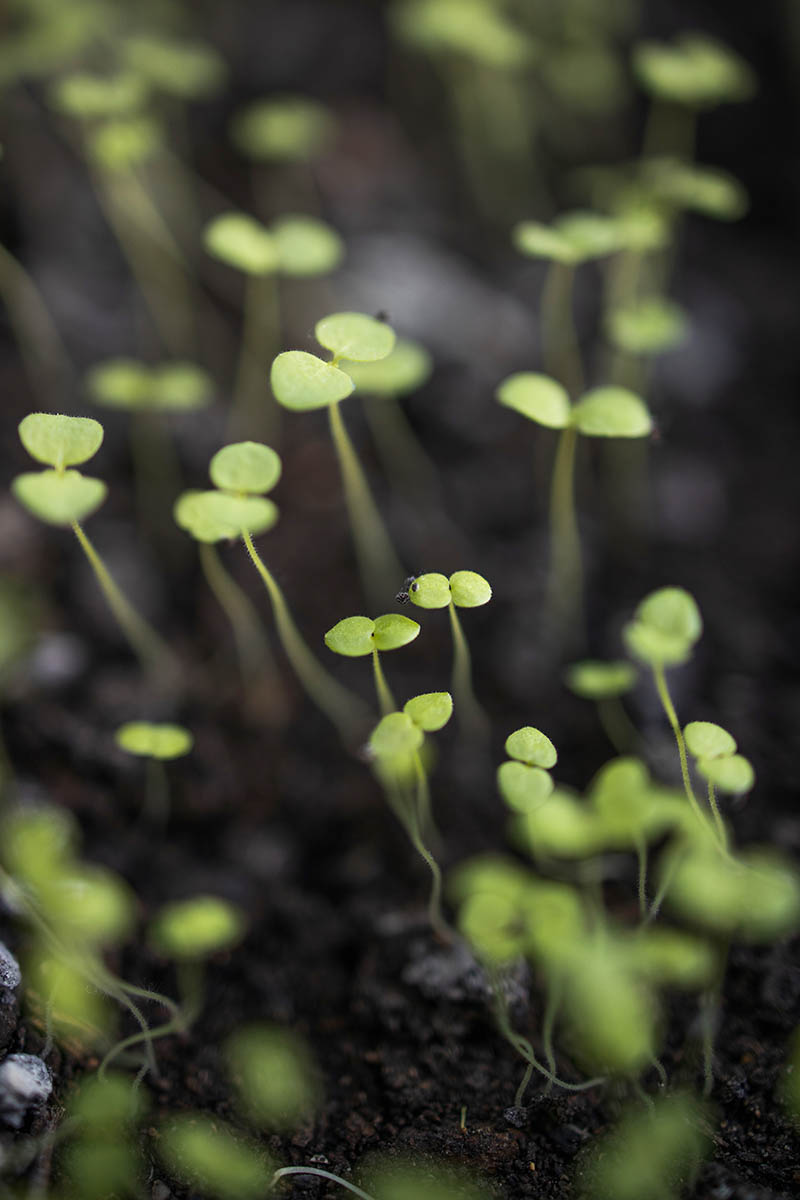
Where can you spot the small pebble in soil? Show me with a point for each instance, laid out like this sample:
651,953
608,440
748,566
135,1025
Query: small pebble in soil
10,979
25,1083
10,975
517,1116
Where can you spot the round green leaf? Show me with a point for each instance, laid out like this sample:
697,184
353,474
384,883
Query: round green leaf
491,924
88,904
180,387
757,897
393,631
672,611
283,129
471,29
356,336
611,412
404,370
352,637
207,1154
196,928
733,774
120,145
186,69
57,497
565,826
430,711
707,740
245,467
215,516
650,326
88,97
430,591
60,441
593,680
241,242
523,788
469,590
654,646
301,381
531,746
540,241
274,1074
537,397
695,70
670,958
154,741
306,246
591,235
120,383
396,736
706,190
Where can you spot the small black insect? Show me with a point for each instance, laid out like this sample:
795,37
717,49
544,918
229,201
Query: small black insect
382,316
408,586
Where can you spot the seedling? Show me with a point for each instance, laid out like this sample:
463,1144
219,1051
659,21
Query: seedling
211,1156
101,1158
605,683
395,745
523,779
464,589
297,246
302,382
355,637
275,1075
714,751
158,744
708,191
243,472
283,129
62,496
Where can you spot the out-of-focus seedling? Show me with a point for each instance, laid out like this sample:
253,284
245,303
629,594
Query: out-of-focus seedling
157,744
298,246
714,752
355,637
301,382
395,745
523,779
275,1075
41,346
63,496
101,1157
208,1154
605,683
243,472
283,129
19,621
464,589
604,412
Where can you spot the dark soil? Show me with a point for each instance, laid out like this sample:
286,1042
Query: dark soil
269,810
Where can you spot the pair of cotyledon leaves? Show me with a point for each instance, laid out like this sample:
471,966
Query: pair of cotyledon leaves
524,781
355,637
714,752
601,412
242,472
464,589
169,387
694,70
59,495
665,627
154,740
301,246
302,381
401,734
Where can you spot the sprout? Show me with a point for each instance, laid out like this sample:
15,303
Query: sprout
191,930
695,70
605,683
302,381
283,129
524,783
305,246
65,497
275,1074
158,744
241,242
208,1154
610,1013
573,238
471,29
88,97
355,637
464,589
706,190
649,326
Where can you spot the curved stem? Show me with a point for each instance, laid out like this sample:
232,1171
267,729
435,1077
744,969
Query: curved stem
378,564
254,412
344,710
470,713
252,647
669,708
386,700
641,856
617,725
718,821
40,342
150,647
351,1187
422,803
191,982
550,1013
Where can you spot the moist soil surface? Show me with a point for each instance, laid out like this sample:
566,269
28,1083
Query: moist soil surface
270,810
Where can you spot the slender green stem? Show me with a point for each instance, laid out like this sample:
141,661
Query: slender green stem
559,340
552,1005
378,563
386,700
153,651
641,857
660,678
718,821
252,646
190,979
565,584
421,806
351,1187
254,412
405,462
470,713
344,710
40,342
157,801
617,725
663,888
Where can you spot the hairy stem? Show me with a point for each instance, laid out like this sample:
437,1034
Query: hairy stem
386,700
470,713
282,1172
252,647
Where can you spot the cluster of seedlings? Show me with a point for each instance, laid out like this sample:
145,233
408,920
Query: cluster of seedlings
604,971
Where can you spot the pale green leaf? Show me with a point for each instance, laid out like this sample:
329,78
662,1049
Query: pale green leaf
541,241
59,497
242,242
537,397
88,96
396,736
352,637
404,370
207,1154
430,711
283,129
355,336
60,441
733,774
471,29
591,235
180,387
654,646
190,70
524,788
306,246
695,70
430,591
611,412
245,467
469,590
274,1074
531,746
196,928
672,611
154,740
594,680
120,383
649,326
125,143
216,516
394,630
301,381
704,739
706,190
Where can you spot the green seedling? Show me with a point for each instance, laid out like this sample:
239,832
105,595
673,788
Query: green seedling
238,508
655,1152
606,683
604,412
708,191
302,382
188,70
395,745
63,496
714,752
649,326
295,246
210,1155
101,1158
275,1076
283,129
464,589
355,637
473,29
523,780
157,744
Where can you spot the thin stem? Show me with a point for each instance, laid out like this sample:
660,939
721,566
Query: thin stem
378,563
403,458
641,856
252,646
565,584
470,713
351,1187
156,802
559,340
437,920
663,888
617,725
552,1006
253,410
342,708
718,821
151,648
40,342
669,708
190,979
386,700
